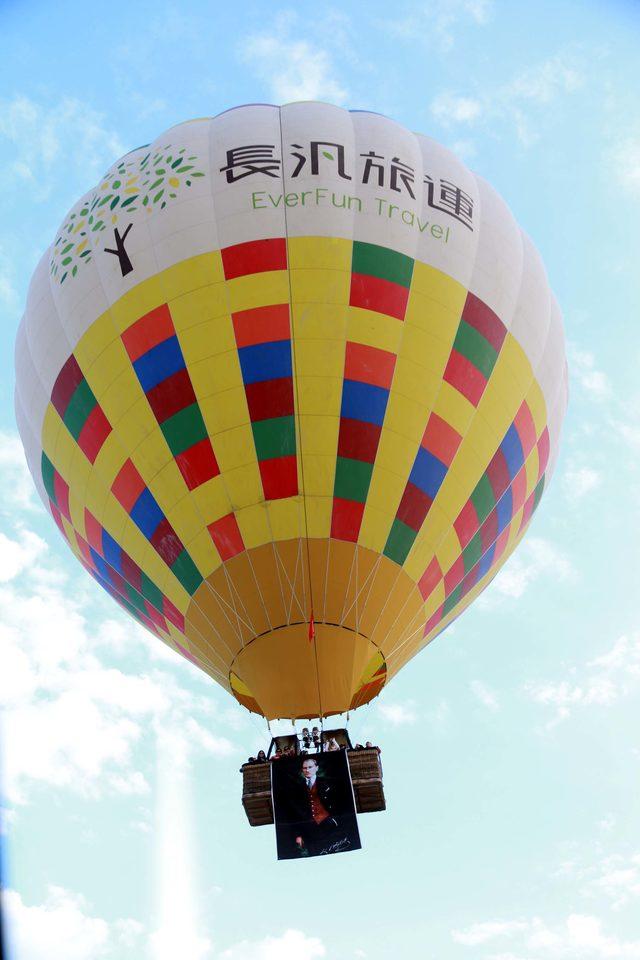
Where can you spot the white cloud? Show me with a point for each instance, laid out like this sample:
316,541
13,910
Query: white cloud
43,139
617,878
134,58
20,554
544,82
439,716
62,928
448,108
607,823
71,742
436,22
294,68
42,633
628,431
479,933
182,944
195,735
486,697
535,558
625,424
600,874
522,102
464,149
577,937
586,373
623,159
623,658
8,293
17,484
292,945
579,481
398,714
564,696
71,721
600,682
479,10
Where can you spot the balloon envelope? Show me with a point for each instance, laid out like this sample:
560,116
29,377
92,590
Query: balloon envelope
291,365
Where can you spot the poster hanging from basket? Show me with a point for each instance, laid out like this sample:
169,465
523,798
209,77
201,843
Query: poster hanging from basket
313,805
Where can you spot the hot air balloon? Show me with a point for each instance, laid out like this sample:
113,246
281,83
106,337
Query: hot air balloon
291,382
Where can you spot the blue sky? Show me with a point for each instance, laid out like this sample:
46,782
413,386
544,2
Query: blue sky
511,749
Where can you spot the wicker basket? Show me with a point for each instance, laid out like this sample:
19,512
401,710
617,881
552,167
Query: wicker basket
366,776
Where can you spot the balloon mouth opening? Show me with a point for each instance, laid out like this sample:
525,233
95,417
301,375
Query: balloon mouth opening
336,671
250,625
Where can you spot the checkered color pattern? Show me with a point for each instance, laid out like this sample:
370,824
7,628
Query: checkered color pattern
134,496
81,413
263,339
478,340
210,468
109,564
154,350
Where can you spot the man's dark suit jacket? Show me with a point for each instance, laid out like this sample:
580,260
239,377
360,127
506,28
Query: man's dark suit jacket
300,799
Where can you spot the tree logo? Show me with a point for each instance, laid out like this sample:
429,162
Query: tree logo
149,183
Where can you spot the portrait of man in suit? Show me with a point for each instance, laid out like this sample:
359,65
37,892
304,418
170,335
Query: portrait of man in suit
314,807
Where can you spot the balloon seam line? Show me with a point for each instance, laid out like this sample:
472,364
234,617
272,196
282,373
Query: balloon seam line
297,418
